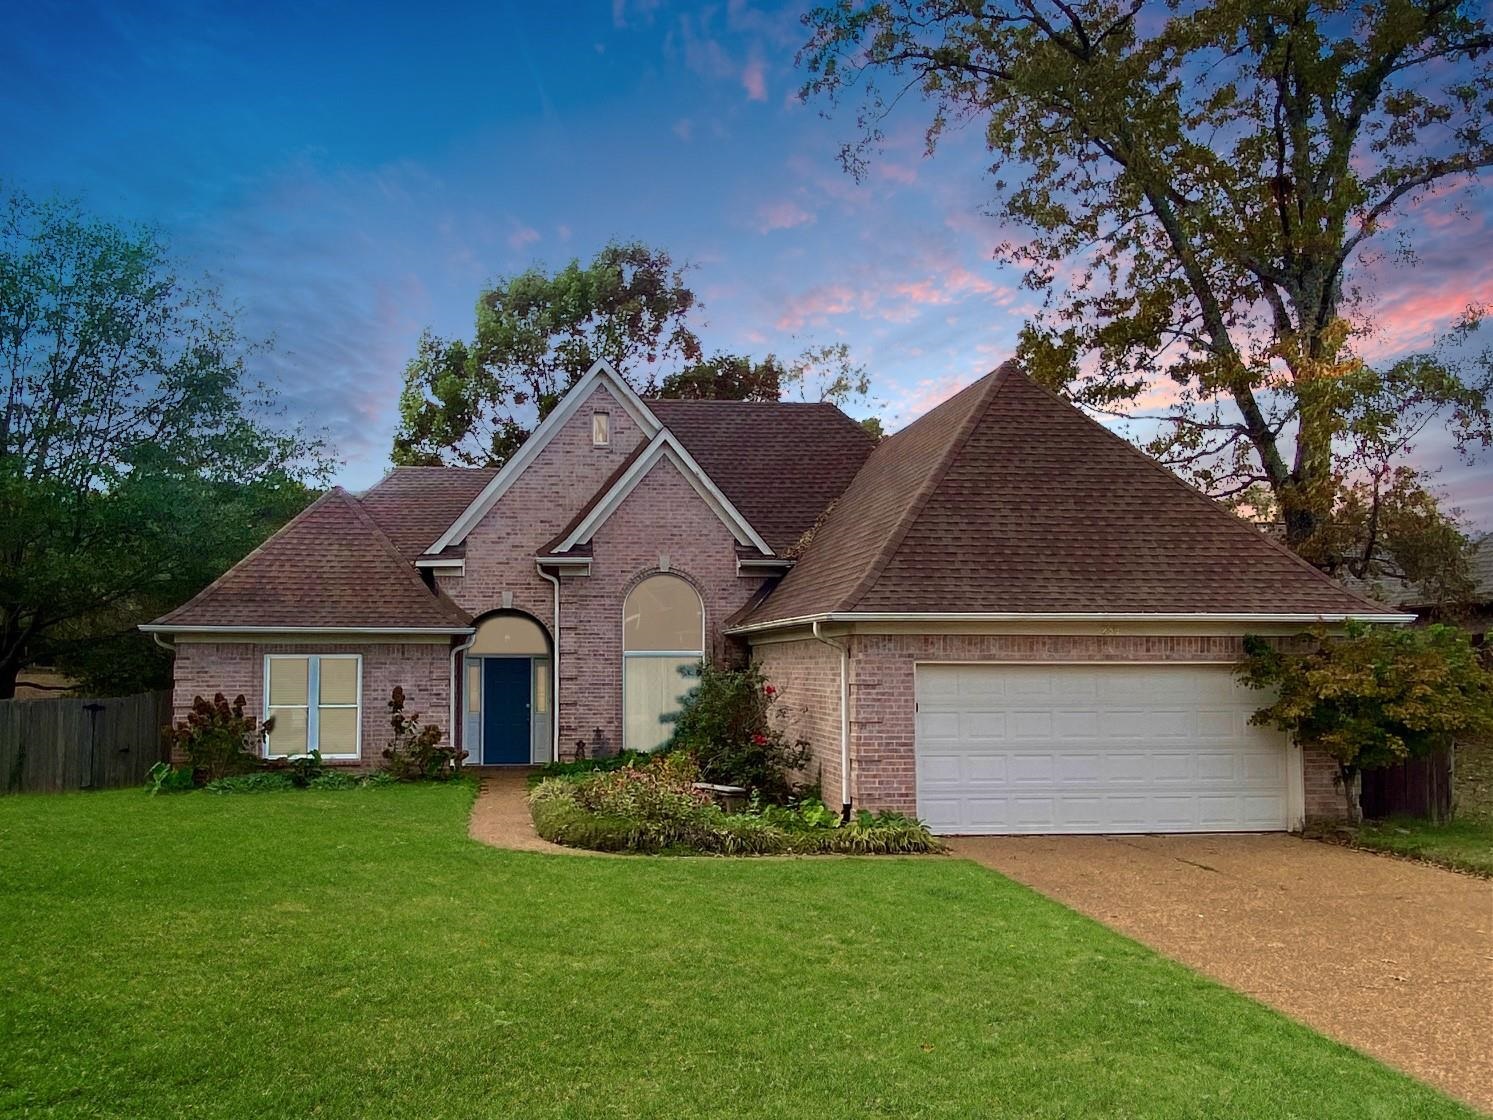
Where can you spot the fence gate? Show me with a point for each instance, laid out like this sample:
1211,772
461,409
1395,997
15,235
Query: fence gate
48,746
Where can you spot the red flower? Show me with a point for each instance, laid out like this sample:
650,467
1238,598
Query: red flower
768,689
760,740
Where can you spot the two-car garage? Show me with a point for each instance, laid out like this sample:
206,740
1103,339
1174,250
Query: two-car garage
1097,748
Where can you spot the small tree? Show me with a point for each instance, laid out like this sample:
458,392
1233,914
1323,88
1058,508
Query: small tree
1374,696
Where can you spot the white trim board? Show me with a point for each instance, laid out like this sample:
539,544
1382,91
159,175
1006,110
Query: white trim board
600,374
665,447
1058,616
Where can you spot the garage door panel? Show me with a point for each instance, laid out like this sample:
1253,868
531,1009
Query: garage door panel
1109,749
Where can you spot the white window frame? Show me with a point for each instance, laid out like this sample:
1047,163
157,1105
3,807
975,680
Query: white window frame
603,429
697,654
313,690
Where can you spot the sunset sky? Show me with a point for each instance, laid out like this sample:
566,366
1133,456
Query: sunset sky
353,173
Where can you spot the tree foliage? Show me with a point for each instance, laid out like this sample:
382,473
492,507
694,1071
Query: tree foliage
137,460
474,403
1198,187
1375,696
727,377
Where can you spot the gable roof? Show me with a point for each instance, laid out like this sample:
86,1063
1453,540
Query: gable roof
415,505
330,568
600,375
1007,500
780,463
664,447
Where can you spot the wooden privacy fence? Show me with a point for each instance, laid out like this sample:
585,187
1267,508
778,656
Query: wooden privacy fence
47,746
1417,787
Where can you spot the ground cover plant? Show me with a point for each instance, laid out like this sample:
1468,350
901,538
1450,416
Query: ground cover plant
311,953
658,806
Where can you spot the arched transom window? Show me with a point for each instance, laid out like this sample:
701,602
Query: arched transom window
663,643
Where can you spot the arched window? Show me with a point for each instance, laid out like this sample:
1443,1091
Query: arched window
510,635
663,641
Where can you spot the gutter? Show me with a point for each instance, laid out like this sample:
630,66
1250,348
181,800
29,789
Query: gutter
1064,616
554,665
844,719
167,628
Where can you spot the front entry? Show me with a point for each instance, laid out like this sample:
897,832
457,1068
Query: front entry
506,728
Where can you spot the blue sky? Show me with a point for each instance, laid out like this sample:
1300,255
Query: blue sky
350,174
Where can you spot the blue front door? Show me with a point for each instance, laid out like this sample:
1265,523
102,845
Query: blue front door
505,710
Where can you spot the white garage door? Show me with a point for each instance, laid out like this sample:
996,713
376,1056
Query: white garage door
1094,748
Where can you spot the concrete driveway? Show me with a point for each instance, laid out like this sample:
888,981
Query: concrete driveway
1391,957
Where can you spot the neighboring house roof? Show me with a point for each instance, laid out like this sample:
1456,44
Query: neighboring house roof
780,463
1403,593
1006,499
415,505
330,567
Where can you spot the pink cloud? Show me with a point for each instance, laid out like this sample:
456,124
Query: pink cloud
754,80
816,305
522,235
781,215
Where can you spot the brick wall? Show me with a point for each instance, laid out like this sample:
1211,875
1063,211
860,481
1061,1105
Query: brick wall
500,549
806,674
663,514
883,764
422,669
1324,795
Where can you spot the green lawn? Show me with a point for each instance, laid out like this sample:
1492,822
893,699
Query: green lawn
1466,842
354,954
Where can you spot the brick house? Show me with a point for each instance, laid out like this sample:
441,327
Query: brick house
1003,618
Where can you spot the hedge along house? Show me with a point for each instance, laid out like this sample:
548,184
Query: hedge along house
1003,618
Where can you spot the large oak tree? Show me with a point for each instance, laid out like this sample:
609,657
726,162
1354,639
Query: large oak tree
1195,187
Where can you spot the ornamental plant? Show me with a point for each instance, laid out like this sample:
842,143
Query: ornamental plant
219,738
415,753
727,724
1373,696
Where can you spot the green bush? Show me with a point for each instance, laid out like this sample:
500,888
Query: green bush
261,781
654,809
726,723
338,779
585,766
165,778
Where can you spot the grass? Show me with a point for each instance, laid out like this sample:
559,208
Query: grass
1464,843
352,953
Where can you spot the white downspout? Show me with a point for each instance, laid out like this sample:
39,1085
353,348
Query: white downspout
844,719
554,667
456,652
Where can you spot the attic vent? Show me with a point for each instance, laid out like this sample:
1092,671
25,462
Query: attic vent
601,429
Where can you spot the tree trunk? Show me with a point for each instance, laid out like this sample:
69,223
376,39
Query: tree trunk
9,671
1348,775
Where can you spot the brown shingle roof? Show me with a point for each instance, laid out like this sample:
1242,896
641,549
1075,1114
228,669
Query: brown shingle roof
1007,499
330,566
780,463
415,505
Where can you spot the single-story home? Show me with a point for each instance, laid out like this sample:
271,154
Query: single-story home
1003,618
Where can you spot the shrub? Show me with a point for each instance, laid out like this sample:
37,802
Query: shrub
302,770
1374,696
219,739
654,809
338,779
584,766
165,778
261,781
416,754
726,723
